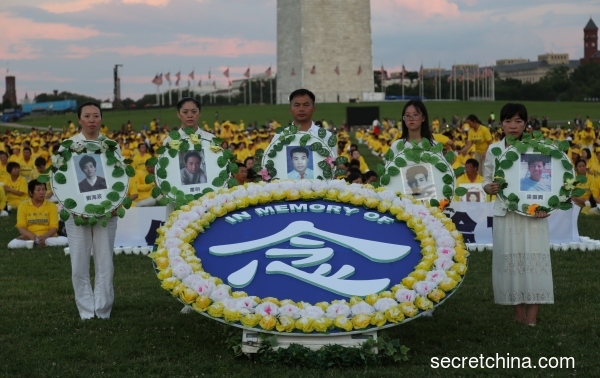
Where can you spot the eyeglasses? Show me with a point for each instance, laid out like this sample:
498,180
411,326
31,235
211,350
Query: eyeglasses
412,117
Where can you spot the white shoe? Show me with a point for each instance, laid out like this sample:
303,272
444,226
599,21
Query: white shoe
594,211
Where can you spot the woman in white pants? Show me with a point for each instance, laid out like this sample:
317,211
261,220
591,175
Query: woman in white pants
83,240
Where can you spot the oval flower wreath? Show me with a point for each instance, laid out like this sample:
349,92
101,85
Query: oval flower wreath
423,152
114,199
548,147
266,170
435,277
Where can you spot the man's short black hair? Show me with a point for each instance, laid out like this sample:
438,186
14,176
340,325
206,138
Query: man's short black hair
39,161
86,159
12,165
191,154
302,92
473,162
298,149
31,186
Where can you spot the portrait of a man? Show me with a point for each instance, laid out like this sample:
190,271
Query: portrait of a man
191,168
92,181
473,197
419,180
299,162
536,173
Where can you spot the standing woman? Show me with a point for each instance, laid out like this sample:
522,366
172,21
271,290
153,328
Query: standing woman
415,123
521,268
83,240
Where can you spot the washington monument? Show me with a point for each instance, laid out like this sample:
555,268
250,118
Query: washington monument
324,46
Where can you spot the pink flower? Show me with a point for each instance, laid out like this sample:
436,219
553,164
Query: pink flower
330,161
264,174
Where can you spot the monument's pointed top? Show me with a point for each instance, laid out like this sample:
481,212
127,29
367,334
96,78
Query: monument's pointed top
590,25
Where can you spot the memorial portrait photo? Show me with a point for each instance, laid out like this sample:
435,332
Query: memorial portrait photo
419,181
192,168
299,163
90,172
536,173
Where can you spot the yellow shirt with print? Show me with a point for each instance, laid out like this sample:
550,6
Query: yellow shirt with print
480,138
37,220
20,185
26,167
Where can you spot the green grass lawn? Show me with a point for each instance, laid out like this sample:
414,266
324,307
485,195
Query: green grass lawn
41,334
556,111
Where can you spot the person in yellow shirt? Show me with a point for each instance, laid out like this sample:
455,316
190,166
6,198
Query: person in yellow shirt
26,162
139,160
226,133
587,136
3,165
144,190
444,140
479,136
37,220
16,153
15,186
586,199
3,212
355,155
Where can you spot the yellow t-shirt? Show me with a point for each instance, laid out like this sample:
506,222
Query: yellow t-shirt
37,220
20,185
26,167
480,138
144,190
2,199
139,162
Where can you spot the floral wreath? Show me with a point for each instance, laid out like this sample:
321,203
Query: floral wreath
554,149
434,278
227,161
266,170
423,152
114,199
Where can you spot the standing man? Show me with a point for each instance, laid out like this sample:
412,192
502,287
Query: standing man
479,136
302,108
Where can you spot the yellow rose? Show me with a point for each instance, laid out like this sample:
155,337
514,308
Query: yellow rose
419,227
188,296
403,216
384,206
343,322
386,294
281,303
267,322
447,284
457,235
272,300
162,263
371,202
331,195
361,321
394,315
241,203
397,287
169,283
174,144
165,273
322,324
230,206
371,299
459,268
322,305
194,138
285,324
161,252
196,227
185,208
450,226
452,274
355,300
419,274
411,223
215,149
424,265
201,304
408,309
436,295
216,310
460,258
427,241
408,282
250,320
421,235
430,257
231,315
239,294
278,195
378,319
218,211
178,289
264,197
305,325
344,196
306,194
252,200
196,267
423,303
357,200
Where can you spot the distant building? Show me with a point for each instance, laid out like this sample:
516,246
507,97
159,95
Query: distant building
531,72
590,43
11,91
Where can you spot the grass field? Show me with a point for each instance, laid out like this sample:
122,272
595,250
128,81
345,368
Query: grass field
556,111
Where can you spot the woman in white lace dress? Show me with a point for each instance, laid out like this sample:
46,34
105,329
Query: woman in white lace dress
521,268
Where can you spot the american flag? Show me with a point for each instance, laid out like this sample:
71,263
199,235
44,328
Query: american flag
155,80
293,72
226,72
209,74
404,71
192,75
160,79
247,73
178,76
359,69
268,72
168,77
215,84
337,70
313,70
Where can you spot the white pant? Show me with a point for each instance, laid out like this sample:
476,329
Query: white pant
82,240
146,202
50,242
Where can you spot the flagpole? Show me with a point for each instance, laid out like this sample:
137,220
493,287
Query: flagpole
402,83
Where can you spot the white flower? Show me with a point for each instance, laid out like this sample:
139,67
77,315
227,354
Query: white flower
383,304
446,241
436,276
387,195
103,146
337,309
182,270
78,147
245,304
267,308
220,293
443,263
446,252
57,161
406,295
173,232
290,310
172,243
424,287
313,312
362,308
